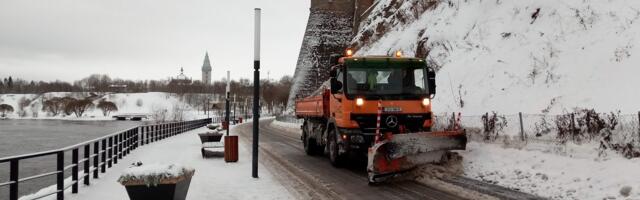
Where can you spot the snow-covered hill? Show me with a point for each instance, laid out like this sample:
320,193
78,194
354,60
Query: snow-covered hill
128,103
511,56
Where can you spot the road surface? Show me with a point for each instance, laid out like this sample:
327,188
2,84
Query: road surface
313,177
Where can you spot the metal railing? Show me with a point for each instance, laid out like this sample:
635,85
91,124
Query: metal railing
104,152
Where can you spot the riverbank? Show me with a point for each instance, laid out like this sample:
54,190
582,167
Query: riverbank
158,106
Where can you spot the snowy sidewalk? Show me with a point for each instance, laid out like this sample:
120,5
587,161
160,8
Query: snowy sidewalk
213,179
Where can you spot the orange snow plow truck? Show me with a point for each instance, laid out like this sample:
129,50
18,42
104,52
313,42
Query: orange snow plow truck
379,107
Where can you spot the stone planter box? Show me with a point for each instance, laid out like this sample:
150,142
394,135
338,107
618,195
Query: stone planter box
165,188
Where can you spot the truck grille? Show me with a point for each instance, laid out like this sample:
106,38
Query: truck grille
412,122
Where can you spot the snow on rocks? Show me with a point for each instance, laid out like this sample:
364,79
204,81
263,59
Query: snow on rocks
496,56
547,174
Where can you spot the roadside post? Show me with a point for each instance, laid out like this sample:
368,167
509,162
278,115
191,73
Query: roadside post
256,92
226,100
230,141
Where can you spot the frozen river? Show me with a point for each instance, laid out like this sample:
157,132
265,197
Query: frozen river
30,136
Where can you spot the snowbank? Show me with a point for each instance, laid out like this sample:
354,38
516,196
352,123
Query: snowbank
577,174
517,56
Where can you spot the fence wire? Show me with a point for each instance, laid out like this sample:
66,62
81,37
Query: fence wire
620,128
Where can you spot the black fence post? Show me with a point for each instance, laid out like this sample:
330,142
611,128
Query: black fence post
110,152
87,163
115,149
130,140
104,156
521,126
74,171
127,142
96,158
149,134
60,176
13,177
143,130
120,144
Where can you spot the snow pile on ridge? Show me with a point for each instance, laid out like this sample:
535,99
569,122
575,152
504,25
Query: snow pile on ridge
518,56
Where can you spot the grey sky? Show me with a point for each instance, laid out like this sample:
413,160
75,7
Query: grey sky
146,39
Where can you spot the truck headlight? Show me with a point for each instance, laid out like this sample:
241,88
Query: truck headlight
426,101
359,101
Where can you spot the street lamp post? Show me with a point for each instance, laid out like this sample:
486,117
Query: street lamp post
256,92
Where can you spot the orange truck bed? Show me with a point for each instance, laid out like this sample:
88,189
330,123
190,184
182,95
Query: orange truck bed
313,106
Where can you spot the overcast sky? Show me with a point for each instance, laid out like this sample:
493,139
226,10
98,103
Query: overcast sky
146,39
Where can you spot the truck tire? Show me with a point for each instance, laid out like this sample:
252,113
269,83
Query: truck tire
336,159
310,145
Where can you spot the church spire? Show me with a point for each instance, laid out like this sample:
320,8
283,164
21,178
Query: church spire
206,70
206,66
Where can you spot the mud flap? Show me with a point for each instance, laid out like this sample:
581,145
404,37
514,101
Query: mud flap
402,152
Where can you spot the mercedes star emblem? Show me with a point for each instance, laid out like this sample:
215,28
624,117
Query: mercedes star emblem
392,121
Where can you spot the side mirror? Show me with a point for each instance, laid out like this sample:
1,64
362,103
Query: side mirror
333,73
334,58
335,85
431,81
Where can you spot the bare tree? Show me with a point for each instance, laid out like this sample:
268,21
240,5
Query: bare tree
67,108
5,108
78,107
107,107
22,104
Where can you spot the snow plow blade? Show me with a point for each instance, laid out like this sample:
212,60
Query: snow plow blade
399,153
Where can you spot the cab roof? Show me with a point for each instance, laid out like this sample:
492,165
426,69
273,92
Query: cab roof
372,61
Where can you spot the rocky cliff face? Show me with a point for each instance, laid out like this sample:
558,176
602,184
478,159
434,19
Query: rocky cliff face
328,31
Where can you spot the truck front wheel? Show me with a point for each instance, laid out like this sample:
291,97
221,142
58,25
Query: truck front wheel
336,159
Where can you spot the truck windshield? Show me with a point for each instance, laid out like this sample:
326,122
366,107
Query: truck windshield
407,82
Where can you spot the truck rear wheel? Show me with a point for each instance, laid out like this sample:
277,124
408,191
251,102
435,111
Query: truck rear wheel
336,159
310,145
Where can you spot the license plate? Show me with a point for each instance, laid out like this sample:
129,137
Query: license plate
392,109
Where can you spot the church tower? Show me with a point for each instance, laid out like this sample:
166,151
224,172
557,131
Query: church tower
206,70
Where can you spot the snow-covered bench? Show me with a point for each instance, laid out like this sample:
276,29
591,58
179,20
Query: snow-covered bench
212,149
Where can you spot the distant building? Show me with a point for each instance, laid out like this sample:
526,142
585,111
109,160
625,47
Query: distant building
181,79
206,70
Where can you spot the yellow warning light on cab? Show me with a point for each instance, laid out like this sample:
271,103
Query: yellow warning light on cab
398,53
349,52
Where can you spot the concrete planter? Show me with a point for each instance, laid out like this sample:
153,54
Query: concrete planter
168,189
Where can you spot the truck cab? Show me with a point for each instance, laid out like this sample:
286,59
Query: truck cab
341,117
399,88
